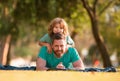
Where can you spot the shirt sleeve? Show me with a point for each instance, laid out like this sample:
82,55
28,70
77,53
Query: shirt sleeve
69,40
46,38
74,55
42,53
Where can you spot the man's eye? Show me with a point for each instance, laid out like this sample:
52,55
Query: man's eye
56,46
61,45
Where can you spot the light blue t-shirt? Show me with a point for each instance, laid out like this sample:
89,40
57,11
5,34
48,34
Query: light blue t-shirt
46,38
67,59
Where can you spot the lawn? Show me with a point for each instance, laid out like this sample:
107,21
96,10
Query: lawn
15,75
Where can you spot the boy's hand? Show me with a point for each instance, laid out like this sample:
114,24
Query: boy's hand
49,49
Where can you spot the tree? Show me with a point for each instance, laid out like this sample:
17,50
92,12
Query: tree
94,17
8,30
29,19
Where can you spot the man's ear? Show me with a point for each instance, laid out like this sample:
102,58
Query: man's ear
52,46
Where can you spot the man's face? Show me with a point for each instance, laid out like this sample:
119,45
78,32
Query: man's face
59,47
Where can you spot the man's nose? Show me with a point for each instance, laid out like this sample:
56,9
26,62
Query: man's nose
59,48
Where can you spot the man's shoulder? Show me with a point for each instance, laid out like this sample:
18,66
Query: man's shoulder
71,49
72,52
43,48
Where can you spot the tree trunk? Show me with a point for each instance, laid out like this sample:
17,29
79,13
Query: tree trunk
4,54
100,44
73,34
2,44
94,23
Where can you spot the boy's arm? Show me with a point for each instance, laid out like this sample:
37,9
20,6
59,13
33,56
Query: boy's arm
43,44
45,40
70,42
47,45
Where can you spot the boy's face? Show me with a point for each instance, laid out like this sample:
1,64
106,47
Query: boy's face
59,47
57,28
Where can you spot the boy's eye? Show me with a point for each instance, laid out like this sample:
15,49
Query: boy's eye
61,27
56,27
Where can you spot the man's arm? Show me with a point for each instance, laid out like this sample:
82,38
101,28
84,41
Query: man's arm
41,64
78,65
76,60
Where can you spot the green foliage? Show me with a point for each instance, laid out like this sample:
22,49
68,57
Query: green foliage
24,10
23,51
28,20
7,23
110,29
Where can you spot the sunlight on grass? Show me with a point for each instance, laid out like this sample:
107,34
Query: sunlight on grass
58,76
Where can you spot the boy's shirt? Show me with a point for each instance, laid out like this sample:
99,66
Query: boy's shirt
46,38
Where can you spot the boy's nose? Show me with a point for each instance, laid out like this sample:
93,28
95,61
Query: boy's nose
58,29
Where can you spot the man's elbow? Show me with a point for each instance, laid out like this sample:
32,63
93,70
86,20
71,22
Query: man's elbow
41,68
79,65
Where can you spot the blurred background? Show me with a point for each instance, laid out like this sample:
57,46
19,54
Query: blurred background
94,25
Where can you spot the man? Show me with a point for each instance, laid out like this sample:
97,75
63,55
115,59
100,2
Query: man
62,57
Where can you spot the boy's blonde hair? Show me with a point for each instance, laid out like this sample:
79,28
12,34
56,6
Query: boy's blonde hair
62,24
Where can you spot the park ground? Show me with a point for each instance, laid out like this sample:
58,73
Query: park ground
15,75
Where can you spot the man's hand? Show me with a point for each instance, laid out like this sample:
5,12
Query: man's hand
60,66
